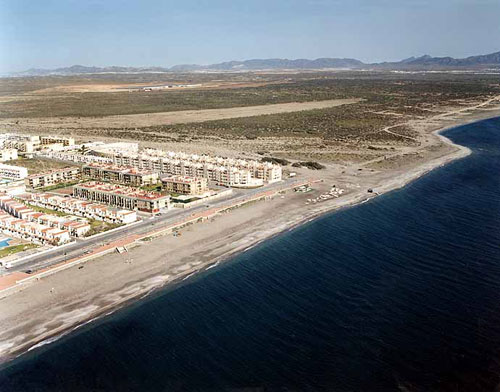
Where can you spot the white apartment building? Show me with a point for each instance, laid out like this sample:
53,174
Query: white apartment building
13,172
65,141
226,172
8,154
75,156
41,180
22,143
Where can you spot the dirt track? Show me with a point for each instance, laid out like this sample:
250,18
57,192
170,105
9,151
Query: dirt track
179,117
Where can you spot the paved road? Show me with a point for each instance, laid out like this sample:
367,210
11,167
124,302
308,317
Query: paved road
83,246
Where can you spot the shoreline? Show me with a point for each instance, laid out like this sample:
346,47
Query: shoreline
149,285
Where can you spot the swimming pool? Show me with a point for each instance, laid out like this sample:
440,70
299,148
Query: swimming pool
4,242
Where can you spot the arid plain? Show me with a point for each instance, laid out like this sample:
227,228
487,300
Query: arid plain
370,130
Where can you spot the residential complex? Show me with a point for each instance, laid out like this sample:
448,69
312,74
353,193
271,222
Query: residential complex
21,221
228,172
65,141
41,180
8,154
83,208
10,172
122,196
75,156
126,176
115,173
223,171
185,185
22,143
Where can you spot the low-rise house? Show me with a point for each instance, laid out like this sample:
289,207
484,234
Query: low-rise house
83,208
21,211
32,231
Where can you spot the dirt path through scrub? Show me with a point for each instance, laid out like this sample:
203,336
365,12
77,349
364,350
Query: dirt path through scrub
179,117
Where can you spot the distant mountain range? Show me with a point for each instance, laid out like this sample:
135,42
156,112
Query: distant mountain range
413,63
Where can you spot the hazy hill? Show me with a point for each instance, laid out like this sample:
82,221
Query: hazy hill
413,63
425,62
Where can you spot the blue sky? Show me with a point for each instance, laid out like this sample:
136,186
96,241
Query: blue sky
55,33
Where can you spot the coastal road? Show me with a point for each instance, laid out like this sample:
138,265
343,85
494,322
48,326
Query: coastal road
84,246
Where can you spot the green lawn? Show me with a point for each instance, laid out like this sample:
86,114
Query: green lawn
10,250
58,186
152,187
47,211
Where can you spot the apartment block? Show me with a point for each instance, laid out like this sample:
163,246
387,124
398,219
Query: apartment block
13,172
122,196
83,208
65,141
222,172
41,180
126,176
74,156
22,143
8,154
185,185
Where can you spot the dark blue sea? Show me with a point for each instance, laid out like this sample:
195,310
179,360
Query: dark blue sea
398,294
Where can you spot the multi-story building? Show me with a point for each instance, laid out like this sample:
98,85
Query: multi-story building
22,143
185,185
83,208
223,171
65,141
122,196
23,146
8,154
74,156
13,172
41,180
126,176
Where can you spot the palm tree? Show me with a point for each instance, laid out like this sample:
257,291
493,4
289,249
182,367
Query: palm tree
84,150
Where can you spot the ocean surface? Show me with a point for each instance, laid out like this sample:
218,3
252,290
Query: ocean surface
398,294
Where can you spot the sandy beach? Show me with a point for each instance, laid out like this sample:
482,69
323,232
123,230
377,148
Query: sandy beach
62,301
